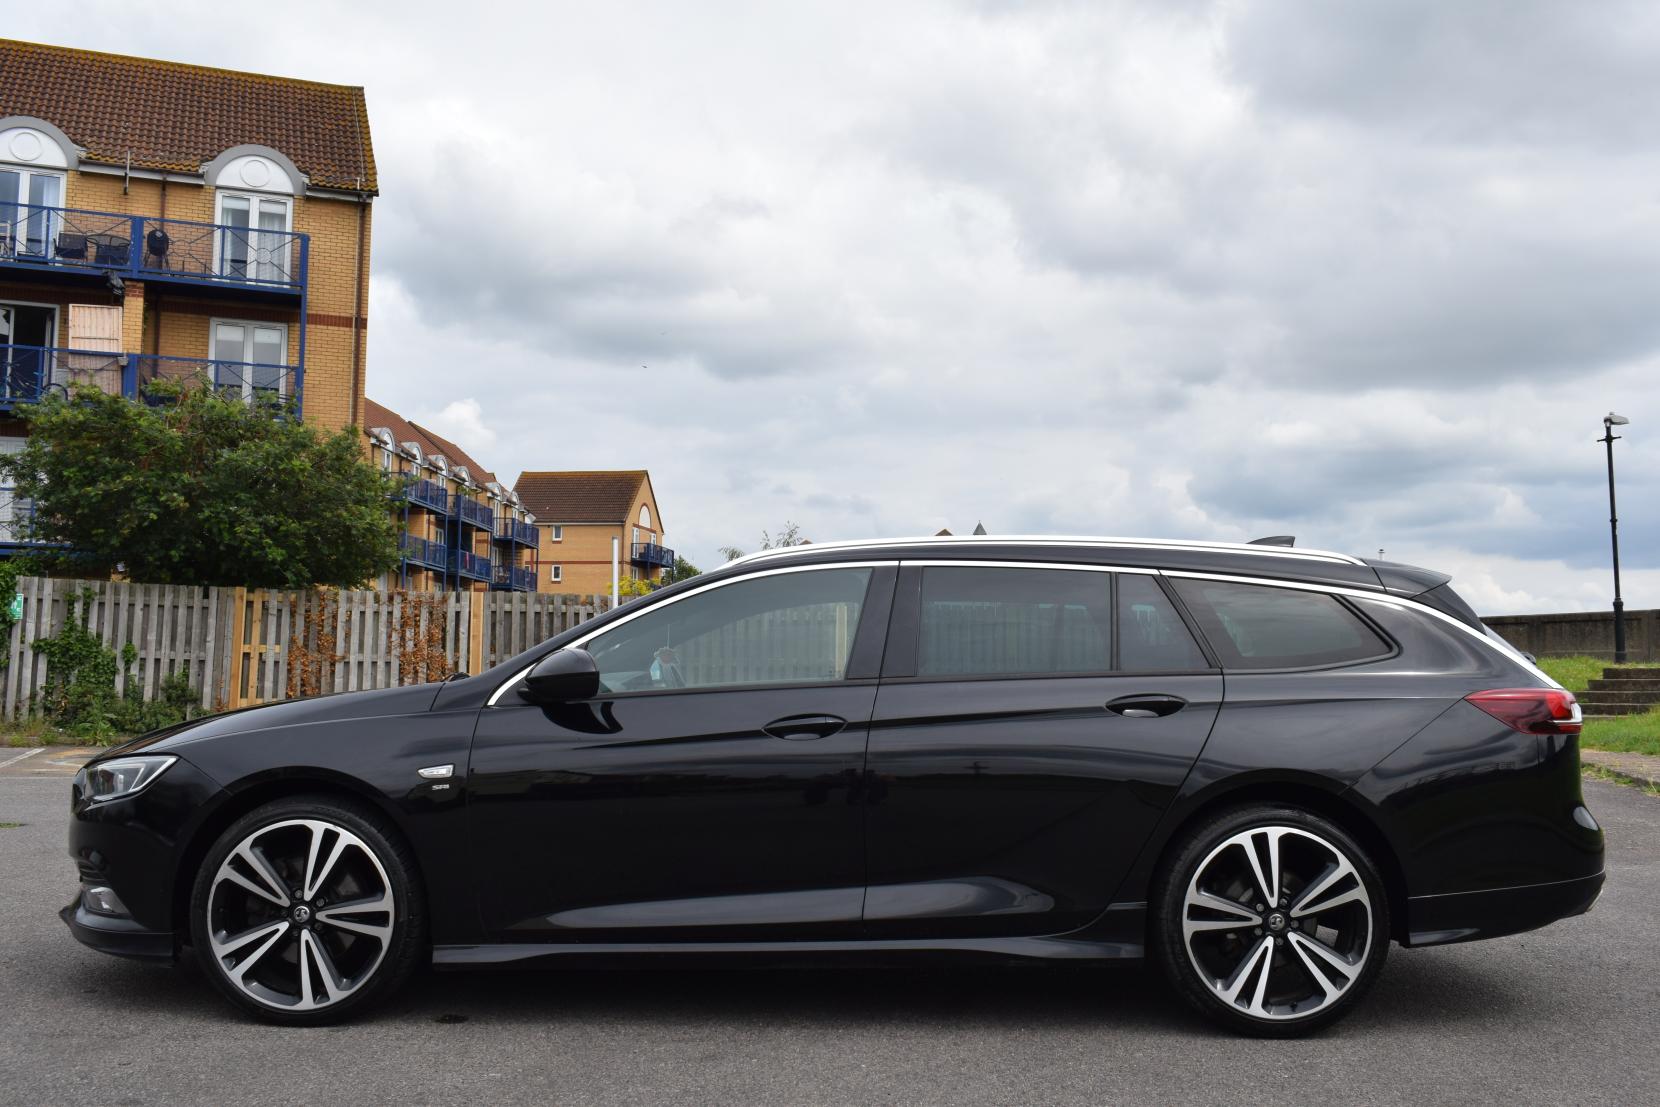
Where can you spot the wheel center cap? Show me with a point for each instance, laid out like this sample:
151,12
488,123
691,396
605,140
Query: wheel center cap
302,914
1276,922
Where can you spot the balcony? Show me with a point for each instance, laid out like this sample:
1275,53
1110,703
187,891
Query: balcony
28,374
514,578
426,493
650,553
424,552
512,532
475,514
137,247
470,566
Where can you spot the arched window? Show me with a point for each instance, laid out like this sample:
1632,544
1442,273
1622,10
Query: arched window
253,189
645,516
34,156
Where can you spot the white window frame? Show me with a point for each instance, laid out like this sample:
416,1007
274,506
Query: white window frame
247,383
8,230
556,574
556,532
223,225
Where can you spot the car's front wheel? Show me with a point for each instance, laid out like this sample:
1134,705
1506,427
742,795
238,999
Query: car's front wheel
307,910
1271,920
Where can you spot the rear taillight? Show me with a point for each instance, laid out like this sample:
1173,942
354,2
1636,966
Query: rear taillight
1531,710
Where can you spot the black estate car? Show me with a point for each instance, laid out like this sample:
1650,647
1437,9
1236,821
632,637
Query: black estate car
1256,765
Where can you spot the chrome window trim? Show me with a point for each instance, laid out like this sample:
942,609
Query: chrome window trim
1051,540
1498,645
952,563
501,689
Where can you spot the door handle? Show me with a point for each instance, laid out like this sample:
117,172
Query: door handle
1146,706
802,728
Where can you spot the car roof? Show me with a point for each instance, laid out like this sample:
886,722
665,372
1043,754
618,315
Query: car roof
1234,558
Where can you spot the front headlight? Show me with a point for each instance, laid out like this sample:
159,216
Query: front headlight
125,776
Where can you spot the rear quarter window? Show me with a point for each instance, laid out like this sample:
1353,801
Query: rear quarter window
1256,626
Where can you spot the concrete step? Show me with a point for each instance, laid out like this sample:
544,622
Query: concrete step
1595,710
1644,684
1619,697
1631,672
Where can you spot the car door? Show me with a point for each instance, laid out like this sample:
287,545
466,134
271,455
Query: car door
1032,724
712,788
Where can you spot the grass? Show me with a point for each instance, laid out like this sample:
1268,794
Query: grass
31,731
1574,673
1624,734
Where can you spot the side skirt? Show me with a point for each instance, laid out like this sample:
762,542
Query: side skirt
528,954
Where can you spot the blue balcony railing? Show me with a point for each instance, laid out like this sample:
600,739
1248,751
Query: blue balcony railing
426,493
248,379
28,374
650,553
424,551
475,513
514,578
470,565
145,248
512,531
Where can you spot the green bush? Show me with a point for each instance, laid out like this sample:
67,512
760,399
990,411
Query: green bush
80,697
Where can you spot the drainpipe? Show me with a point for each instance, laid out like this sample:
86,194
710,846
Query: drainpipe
357,302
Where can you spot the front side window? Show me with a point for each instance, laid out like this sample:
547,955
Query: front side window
786,628
992,621
1256,626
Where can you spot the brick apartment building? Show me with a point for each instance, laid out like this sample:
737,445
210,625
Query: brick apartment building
165,220
460,529
577,516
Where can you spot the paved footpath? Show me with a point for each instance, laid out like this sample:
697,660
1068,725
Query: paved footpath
1563,1015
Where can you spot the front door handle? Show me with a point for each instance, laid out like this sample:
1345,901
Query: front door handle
801,728
1146,706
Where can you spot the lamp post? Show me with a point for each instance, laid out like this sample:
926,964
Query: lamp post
1609,422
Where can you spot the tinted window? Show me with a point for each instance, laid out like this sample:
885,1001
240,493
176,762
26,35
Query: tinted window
788,628
979,621
1255,626
1151,636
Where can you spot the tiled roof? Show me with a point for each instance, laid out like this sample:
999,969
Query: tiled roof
376,415
172,116
605,496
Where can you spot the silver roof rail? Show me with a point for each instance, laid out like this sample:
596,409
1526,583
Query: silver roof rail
1056,540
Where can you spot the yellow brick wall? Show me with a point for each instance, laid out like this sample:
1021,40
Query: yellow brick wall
333,398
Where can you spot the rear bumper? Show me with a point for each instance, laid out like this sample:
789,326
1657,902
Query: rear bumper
1469,916
122,937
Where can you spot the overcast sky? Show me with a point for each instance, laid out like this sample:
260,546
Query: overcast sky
1366,273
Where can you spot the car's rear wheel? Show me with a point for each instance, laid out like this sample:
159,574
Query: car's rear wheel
307,910
1271,920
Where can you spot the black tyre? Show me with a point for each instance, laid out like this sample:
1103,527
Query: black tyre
308,910
1270,920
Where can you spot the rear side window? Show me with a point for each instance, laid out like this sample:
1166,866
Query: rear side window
1151,636
983,621
1254,626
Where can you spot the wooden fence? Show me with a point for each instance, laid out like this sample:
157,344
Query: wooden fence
241,646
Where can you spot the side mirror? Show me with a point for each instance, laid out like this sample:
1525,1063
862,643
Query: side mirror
563,676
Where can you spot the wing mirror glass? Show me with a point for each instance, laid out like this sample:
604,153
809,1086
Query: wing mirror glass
563,676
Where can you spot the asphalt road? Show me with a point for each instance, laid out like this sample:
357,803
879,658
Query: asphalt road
1567,1014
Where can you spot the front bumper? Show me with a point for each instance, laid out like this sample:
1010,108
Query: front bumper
122,937
1468,916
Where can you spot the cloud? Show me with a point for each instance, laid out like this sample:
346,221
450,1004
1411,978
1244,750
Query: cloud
1366,273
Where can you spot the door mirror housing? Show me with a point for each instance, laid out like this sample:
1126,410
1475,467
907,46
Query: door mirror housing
563,676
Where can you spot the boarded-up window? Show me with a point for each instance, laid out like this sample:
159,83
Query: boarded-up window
93,327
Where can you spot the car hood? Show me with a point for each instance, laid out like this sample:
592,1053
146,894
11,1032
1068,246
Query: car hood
271,716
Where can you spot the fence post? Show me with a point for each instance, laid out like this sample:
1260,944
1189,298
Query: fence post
233,687
475,632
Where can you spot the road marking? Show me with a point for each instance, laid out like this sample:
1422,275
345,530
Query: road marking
21,756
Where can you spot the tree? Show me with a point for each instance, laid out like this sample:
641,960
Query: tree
789,536
191,486
682,570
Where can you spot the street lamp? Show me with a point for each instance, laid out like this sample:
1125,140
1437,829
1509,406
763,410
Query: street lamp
1609,422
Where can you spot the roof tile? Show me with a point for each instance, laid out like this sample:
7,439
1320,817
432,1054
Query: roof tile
593,496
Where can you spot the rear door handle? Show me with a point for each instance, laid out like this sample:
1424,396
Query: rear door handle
802,728
1146,706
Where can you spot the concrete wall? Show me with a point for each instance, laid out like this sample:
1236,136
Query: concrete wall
1581,632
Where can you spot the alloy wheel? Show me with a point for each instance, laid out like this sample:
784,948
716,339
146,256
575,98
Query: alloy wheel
300,914
1278,922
